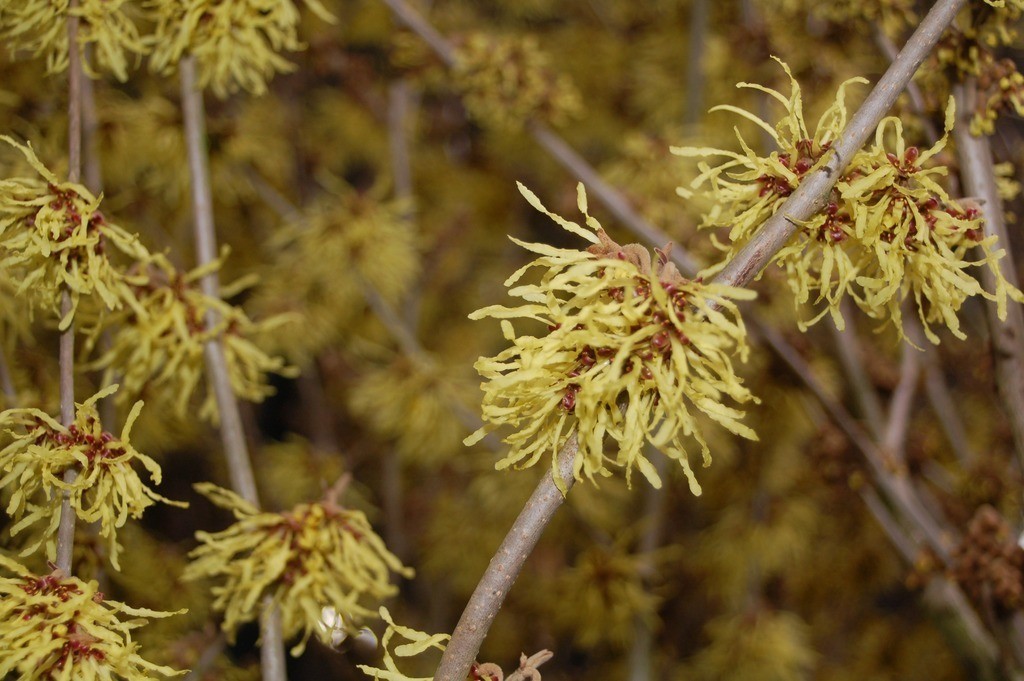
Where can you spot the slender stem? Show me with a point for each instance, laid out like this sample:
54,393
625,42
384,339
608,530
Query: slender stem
66,354
414,20
206,659
10,393
978,175
504,567
641,664
232,433
700,13
849,351
812,193
898,422
946,412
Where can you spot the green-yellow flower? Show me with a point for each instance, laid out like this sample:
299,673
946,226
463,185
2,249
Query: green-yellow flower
107,489
890,230
506,81
630,351
325,257
314,557
236,43
157,346
56,627
108,26
54,238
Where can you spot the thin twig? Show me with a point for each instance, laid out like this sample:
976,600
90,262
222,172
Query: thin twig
10,392
812,193
206,659
504,567
232,434
414,20
946,412
978,175
849,351
66,529
898,421
700,13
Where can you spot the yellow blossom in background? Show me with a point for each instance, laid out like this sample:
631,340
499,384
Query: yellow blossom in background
236,43
158,348
889,233
59,627
608,596
107,490
505,81
413,401
315,557
107,26
53,237
326,259
632,351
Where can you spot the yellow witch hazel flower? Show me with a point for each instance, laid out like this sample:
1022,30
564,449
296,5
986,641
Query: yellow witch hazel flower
107,26
889,232
107,489
53,237
632,351
313,559
411,400
157,346
507,80
235,42
56,627
323,260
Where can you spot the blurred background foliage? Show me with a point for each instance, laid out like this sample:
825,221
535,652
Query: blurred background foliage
371,190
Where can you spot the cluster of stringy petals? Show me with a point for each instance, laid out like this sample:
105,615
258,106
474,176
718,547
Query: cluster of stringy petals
236,43
630,350
106,27
53,238
889,233
59,627
315,557
157,347
107,489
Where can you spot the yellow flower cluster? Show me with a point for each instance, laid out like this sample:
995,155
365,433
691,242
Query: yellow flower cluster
508,80
889,232
325,258
107,489
108,26
411,401
53,237
160,349
631,350
56,627
235,42
315,557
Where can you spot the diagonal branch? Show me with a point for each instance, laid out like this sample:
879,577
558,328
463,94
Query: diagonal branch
504,567
812,193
